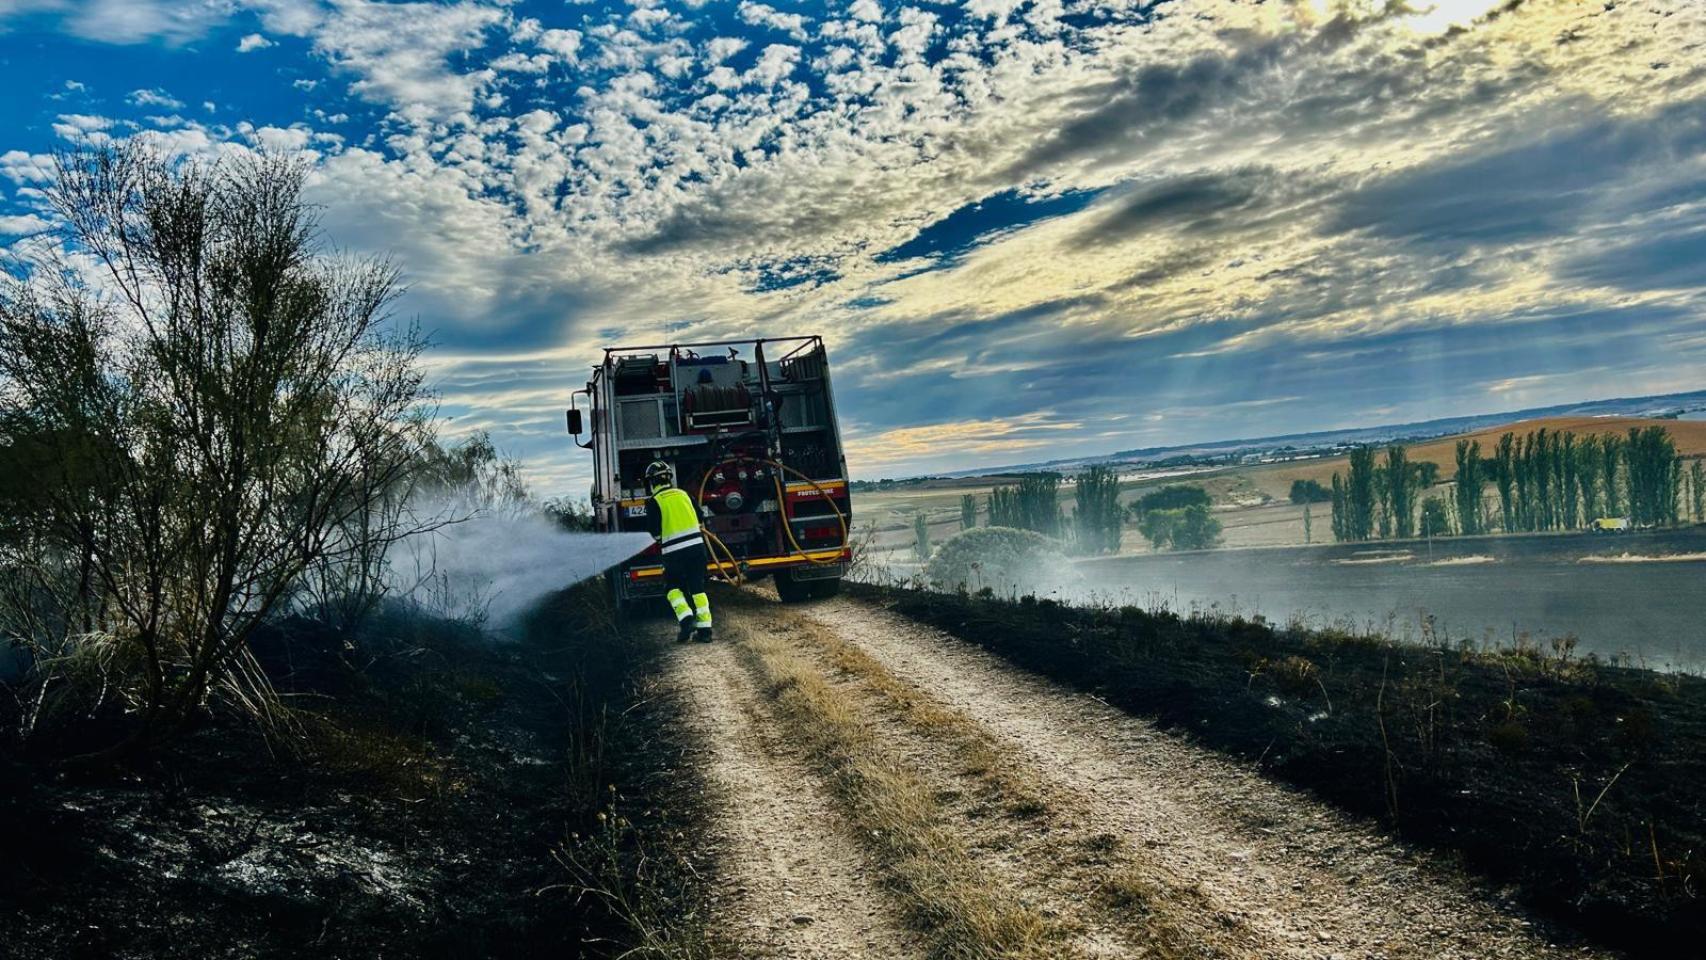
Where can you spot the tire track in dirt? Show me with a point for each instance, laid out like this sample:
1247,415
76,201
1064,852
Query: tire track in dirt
793,882
1308,880
1042,843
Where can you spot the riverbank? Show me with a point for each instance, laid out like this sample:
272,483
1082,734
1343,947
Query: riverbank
1631,598
1575,781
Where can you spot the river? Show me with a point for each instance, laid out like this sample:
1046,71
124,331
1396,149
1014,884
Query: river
1607,591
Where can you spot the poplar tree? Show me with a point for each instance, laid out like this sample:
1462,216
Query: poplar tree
1341,529
1697,487
1471,479
1566,479
1360,498
1099,513
1588,469
1504,477
1540,480
1611,454
1652,461
1400,493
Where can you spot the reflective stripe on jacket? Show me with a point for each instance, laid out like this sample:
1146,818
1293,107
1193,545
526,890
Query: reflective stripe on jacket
678,520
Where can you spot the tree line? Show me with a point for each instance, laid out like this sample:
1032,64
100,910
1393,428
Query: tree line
1175,516
1543,480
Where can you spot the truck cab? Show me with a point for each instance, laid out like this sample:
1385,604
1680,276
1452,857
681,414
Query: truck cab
749,428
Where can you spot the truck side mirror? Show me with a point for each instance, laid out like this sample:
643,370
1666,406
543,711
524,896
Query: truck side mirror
575,422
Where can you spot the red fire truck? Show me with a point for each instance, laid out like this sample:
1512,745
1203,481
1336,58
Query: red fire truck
749,428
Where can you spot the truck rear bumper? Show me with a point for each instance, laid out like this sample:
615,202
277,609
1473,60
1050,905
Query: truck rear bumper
647,580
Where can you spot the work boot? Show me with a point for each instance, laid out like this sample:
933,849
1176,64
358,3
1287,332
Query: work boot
703,635
686,632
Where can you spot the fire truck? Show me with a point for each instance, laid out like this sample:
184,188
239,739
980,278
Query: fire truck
749,428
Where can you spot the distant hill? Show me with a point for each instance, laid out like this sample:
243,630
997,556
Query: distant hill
1578,417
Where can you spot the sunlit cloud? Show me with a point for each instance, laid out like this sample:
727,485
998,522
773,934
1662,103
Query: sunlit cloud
1146,221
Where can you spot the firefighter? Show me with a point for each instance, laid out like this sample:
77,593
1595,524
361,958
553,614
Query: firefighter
673,519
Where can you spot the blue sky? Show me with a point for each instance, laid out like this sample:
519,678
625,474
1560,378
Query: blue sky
1029,228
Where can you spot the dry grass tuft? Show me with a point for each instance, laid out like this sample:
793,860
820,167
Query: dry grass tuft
962,913
1162,914
1161,918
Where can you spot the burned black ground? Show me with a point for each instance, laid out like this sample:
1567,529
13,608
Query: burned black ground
448,795
1578,783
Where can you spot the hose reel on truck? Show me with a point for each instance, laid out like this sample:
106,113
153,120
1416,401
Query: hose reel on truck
755,441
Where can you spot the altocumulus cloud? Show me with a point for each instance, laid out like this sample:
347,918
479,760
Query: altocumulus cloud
1026,226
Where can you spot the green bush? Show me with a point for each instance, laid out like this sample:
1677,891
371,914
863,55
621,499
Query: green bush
1004,560
1188,529
1178,496
1436,521
1310,491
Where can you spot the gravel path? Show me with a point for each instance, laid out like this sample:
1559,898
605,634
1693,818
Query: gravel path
1233,865
794,884
1303,875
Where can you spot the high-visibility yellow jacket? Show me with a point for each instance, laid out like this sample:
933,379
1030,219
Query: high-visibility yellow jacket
674,519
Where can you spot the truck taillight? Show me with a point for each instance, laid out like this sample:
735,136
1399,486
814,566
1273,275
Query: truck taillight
815,533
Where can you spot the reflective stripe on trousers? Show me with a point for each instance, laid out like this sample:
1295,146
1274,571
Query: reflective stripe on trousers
678,603
701,611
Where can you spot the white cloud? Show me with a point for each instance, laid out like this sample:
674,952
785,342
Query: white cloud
776,62
136,21
563,43
867,10
760,14
648,19
293,18
280,139
539,63
401,54
674,176
917,29
254,41
83,128
23,225
525,30
25,168
718,49
723,78
153,98
997,10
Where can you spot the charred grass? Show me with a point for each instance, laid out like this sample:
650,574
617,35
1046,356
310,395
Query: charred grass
437,794
1577,782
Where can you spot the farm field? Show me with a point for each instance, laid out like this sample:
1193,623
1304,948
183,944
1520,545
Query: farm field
1275,479
1250,501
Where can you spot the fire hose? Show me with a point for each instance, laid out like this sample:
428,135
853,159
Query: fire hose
782,508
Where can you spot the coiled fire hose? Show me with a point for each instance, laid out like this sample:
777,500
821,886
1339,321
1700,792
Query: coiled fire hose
782,508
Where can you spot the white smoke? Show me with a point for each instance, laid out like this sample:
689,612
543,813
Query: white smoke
493,568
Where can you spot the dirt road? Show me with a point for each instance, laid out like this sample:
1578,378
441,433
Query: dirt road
882,790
